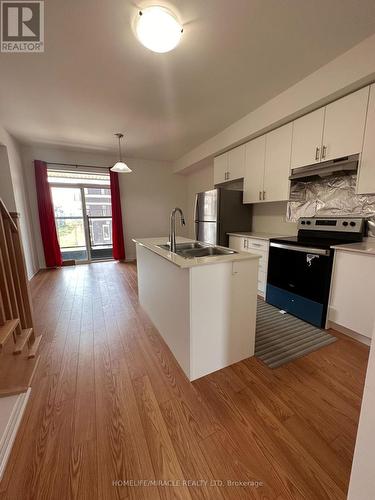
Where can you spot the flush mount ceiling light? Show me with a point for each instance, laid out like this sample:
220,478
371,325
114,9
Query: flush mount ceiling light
120,166
158,29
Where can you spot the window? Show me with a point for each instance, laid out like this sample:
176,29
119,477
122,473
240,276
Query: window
106,232
83,214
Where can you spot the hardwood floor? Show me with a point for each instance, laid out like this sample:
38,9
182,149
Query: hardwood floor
109,403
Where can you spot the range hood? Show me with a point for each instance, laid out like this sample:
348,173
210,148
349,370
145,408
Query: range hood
347,164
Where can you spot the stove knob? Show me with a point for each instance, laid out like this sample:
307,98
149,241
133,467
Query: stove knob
352,223
345,223
303,222
308,222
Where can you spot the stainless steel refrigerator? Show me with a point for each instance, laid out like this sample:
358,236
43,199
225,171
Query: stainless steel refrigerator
218,212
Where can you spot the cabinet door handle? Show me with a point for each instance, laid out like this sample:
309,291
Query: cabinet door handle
324,151
245,242
264,195
317,151
260,195
228,175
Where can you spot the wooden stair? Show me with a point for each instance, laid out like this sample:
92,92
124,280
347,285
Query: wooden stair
22,340
6,331
16,316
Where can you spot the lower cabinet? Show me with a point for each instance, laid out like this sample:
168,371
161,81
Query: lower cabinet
259,247
352,292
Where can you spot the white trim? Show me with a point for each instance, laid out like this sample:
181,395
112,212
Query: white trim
10,432
350,333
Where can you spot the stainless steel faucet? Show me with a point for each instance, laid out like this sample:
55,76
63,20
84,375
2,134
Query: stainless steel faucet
172,227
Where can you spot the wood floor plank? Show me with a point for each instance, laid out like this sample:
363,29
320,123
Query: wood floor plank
163,455
137,451
186,445
255,420
109,402
83,471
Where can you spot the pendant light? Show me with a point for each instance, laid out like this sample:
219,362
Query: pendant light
120,166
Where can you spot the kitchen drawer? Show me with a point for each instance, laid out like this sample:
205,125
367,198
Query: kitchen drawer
263,256
255,244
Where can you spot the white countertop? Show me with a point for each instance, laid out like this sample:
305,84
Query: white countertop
152,244
260,236
367,246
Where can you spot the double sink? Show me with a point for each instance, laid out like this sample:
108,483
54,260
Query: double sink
197,249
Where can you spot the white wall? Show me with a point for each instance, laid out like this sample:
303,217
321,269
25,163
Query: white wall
271,218
348,72
147,195
362,480
13,192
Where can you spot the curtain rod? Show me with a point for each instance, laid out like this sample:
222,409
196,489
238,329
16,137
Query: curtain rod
73,165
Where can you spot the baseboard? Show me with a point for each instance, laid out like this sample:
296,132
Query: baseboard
11,428
350,333
33,275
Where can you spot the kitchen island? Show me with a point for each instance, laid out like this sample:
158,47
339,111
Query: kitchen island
204,307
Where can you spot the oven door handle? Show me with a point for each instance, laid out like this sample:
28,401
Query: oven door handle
317,251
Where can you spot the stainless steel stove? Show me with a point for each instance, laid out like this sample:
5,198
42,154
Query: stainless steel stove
300,268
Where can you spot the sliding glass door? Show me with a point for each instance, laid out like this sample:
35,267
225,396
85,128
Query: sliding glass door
83,221
99,216
70,223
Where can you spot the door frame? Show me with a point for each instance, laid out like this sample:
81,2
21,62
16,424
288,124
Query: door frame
86,226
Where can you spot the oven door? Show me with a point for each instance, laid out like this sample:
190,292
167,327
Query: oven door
298,280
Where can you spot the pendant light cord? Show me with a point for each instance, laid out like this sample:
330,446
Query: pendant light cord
119,136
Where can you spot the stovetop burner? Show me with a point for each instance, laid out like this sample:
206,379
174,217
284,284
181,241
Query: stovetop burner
324,232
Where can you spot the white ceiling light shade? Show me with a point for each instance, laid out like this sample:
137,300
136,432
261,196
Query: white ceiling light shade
120,166
158,29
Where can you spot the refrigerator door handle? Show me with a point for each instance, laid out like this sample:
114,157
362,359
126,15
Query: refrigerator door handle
196,208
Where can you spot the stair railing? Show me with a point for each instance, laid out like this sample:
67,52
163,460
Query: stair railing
16,315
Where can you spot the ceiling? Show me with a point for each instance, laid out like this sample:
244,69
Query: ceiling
95,78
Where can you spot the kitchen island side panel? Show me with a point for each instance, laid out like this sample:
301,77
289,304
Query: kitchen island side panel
164,295
223,299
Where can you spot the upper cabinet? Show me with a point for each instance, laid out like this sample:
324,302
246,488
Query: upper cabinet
330,132
220,168
254,170
230,166
307,138
366,175
333,131
344,125
276,185
267,168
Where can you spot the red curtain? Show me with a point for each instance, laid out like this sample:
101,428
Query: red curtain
51,246
117,231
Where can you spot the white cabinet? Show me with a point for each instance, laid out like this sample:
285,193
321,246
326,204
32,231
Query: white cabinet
259,247
230,166
352,292
236,163
333,131
276,184
344,125
220,168
267,167
366,174
254,170
307,139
